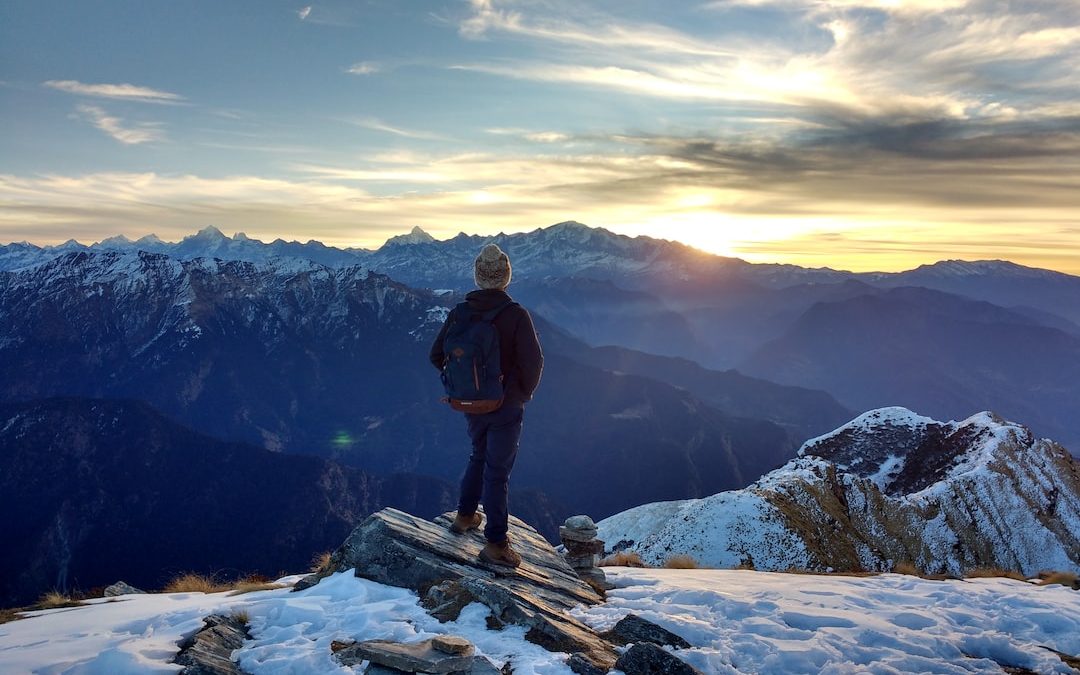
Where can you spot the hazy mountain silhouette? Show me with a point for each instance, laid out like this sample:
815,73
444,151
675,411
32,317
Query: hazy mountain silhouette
937,353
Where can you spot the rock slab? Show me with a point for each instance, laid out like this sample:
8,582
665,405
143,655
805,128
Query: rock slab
633,629
414,657
395,548
452,644
209,652
648,659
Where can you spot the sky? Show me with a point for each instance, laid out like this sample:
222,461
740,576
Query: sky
855,134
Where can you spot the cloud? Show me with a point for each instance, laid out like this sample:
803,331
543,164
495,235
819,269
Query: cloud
144,132
893,60
378,125
364,68
125,92
304,12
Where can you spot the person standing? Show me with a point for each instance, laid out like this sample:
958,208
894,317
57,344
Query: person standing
494,434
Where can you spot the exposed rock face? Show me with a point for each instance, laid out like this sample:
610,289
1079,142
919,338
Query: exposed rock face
888,487
209,652
121,588
647,659
414,657
395,548
633,629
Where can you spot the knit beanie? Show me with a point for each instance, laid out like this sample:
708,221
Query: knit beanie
492,268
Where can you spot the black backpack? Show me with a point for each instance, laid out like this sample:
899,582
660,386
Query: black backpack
472,373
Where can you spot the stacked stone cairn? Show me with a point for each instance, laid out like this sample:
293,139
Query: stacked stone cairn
583,549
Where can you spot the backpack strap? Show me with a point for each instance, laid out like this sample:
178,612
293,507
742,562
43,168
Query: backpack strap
490,315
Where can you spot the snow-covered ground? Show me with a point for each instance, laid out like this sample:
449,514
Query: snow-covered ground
738,621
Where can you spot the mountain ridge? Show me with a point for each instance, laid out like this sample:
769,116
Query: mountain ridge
888,487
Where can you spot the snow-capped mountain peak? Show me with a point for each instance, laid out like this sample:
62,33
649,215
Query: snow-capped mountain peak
118,240
905,453
208,233
416,236
889,486
149,239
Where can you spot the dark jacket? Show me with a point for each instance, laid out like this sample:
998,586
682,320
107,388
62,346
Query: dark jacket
520,357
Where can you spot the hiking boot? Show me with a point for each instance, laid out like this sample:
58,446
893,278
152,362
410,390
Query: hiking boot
500,554
463,523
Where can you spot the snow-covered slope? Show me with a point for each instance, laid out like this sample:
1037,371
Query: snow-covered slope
888,487
736,622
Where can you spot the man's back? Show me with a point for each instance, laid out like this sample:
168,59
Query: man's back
520,358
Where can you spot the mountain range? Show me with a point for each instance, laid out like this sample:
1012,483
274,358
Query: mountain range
772,321
299,358
889,487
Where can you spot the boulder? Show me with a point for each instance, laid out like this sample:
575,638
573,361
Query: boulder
579,523
582,562
633,629
648,659
122,588
583,547
567,534
398,549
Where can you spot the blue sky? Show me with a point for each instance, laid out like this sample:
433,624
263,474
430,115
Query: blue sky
867,134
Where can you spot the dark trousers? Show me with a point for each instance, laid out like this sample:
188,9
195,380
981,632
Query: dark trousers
495,444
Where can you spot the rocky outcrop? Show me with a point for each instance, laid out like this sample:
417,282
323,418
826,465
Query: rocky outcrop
209,652
888,487
121,588
395,548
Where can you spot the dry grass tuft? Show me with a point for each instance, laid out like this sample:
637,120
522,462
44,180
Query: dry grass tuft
321,562
252,584
241,615
993,572
190,582
1069,579
54,599
908,568
681,562
7,615
623,559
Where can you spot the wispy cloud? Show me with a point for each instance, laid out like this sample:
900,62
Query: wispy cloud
304,12
921,60
125,92
378,125
142,132
364,68
533,136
